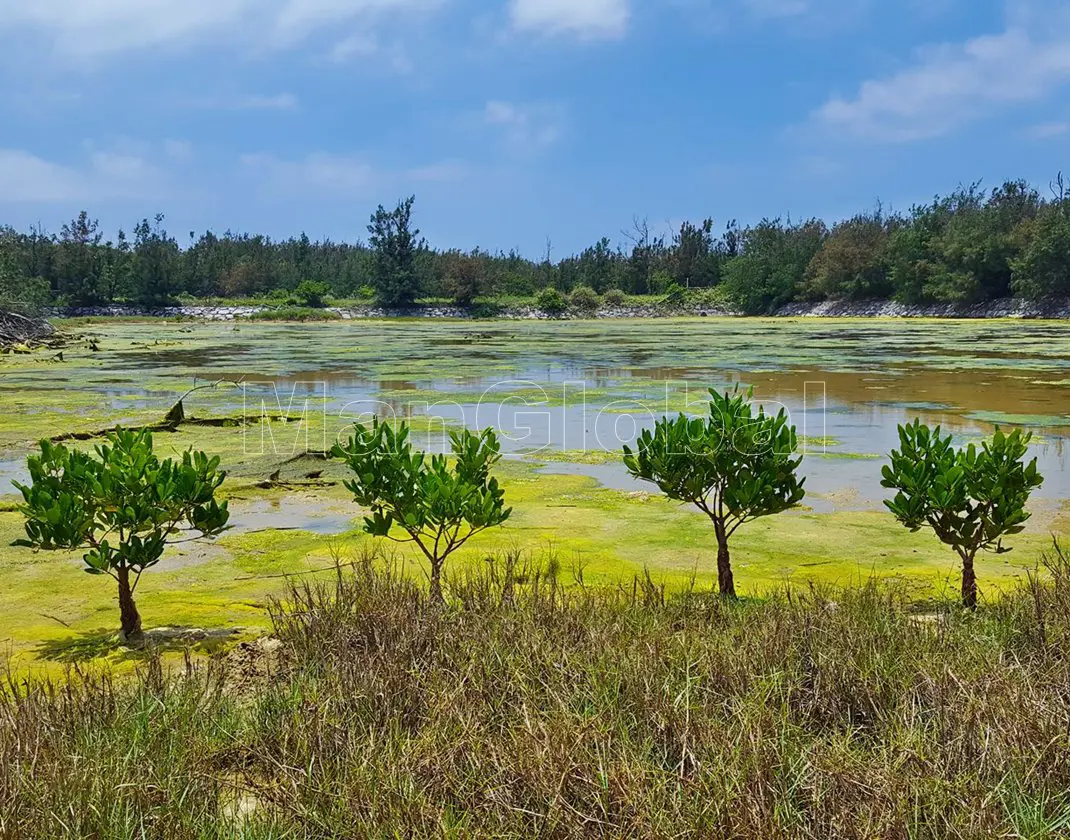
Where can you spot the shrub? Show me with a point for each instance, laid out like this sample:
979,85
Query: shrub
438,508
551,301
675,294
734,466
585,299
614,297
294,313
312,294
122,505
970,498
485,309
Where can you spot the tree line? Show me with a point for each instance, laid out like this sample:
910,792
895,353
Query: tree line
969,246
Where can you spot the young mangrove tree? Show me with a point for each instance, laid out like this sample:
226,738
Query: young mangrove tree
438,506
122,505
735,465
971,498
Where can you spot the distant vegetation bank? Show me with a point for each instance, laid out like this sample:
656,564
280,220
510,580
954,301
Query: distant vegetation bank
961,250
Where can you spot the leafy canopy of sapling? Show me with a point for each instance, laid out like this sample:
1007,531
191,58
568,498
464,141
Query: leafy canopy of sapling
971,498
735,465
123,505
437,505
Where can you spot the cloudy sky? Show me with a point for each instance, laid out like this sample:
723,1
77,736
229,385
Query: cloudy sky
516,122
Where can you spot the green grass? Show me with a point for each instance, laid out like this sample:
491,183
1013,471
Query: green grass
529,707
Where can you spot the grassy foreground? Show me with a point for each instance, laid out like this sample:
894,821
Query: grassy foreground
527,708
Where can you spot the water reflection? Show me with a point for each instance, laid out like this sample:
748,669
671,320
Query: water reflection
591,387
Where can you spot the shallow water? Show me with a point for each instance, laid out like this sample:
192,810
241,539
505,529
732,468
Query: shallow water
288,514
584,387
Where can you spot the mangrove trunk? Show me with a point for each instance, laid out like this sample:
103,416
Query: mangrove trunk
129,617
725,579
969,583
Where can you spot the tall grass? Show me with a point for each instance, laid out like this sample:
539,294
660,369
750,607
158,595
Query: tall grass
526,708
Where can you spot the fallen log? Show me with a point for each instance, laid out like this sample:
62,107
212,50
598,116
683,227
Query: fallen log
17,329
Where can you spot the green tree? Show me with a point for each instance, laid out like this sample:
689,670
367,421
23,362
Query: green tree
648,252
155,267
122,505
736,465
395,244
437,506
769,270
852,263
17,291
1043,267
692,251
77,264
463,276
595,266
971,498
961,248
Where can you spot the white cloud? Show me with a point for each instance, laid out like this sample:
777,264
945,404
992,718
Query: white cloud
178,149
447,171
1046,131
777,8
276,102
26,178
589,19
366,46
806,17
248,102
318,172
344,176
952,84
95,28
360,45
529,129
122,168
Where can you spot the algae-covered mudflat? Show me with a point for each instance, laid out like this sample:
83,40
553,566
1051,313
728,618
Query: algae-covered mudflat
564,396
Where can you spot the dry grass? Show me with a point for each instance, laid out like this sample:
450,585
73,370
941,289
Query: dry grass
527,709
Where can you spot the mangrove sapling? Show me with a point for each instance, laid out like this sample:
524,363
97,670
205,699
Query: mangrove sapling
971,498
437,506
736,465
123,505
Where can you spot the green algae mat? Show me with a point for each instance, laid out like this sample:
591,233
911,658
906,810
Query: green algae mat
564,397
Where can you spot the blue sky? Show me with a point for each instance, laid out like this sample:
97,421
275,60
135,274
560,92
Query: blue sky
518,121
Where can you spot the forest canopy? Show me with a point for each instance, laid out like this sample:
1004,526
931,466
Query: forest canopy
967,247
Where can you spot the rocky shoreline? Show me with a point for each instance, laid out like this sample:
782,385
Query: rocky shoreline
1005,308
232,313
1008,308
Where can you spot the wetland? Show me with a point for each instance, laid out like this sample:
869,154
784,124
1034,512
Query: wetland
564,397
